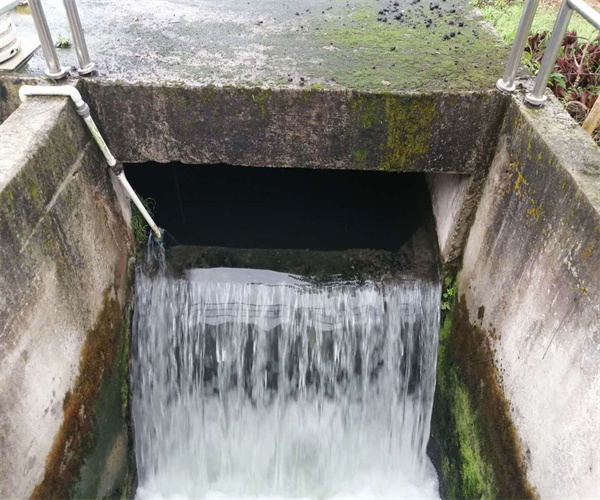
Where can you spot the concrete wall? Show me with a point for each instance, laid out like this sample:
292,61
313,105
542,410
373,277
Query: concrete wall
453,201
9,94
531,288
311,128
63,255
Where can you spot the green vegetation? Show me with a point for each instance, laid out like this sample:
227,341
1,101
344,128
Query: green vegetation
505,16
474,442
138,223
409,131
576,77
449,293
62,42
91,413
464,471
379,51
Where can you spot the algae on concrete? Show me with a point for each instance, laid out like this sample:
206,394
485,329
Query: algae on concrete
474,443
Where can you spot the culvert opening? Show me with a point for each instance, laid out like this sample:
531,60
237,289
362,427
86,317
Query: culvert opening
284,208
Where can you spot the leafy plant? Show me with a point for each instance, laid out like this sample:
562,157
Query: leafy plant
62,42
449,293
532,65
558,80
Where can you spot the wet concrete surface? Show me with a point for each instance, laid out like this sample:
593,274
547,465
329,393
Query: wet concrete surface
406,45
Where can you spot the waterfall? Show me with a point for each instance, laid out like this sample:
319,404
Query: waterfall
257,384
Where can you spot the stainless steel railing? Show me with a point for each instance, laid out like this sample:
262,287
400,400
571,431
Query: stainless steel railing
507,83
85,65
54,69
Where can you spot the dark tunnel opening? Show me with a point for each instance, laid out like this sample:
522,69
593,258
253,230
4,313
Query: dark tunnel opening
286,208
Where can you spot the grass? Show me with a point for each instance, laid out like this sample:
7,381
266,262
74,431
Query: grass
138,223
505,16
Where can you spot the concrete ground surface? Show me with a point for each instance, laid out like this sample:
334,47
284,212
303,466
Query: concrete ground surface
417,45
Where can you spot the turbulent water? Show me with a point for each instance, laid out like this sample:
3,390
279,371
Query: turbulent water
254,384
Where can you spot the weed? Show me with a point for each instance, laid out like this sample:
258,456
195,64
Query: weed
449,293
138,223
62,42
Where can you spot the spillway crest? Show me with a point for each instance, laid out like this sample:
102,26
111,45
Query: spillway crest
254,383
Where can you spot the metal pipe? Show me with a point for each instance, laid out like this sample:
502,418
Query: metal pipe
83,56
536,97
83,110
588,13
54,70
507,82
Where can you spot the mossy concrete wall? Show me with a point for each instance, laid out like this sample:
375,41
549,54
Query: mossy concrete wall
63,248
526,337
304,128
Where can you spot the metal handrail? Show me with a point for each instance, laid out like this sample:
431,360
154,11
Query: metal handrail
54,69
507,83
85,65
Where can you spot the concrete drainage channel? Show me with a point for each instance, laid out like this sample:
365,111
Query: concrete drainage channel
515,219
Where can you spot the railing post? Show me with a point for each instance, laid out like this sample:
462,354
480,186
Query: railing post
85,65
507,82
536,97
54,70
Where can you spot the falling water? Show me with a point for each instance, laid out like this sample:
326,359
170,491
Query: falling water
255,384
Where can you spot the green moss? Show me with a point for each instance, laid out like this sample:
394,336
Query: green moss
479,453
477,476
260,98
421,57
464,472
182,99
368,110
409,131
207,93
35,192
360,157
8,197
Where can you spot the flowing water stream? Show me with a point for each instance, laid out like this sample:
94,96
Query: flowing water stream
257,384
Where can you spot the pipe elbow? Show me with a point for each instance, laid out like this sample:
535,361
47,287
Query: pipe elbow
63,90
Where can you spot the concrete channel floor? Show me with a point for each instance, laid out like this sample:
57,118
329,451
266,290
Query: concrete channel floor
415,46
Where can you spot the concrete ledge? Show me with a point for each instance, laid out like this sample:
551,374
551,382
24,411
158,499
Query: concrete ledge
311,128
9,94
63,246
